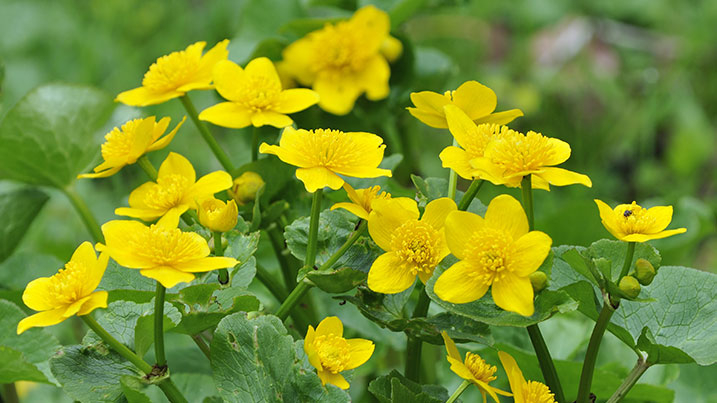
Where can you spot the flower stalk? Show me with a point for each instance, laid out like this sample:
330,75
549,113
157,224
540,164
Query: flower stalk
640,367
159,326
255,144
85,214
459,391
470,194
206,134
414,345
148,168
452,179
313,229
219,251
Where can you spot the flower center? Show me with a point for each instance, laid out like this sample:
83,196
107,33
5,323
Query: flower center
536,392
480,369
339,49
118,142
259,93
517,153
489,254
66,285
167,246
173,70
372,194
334,352
167,192
479,138
634,219
416,244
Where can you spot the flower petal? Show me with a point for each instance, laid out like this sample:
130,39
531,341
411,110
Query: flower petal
389,275
227,76
35,294
41,319
96,300
119,233
318,178
437,211
505,213
514,294
361,351
164,141
460,226
662,216
648,237
460,369
207,186
457,285
227,114
450,346
563,177
263,68
296,99
500,118
430,102
209,60
515,376
560,154
387,215
167,276
528,252
336,95
429,118
276,119
609,219
103,174
460,125
475,99
374,78
354,209
334,379
176,164
95,274
330,325
206,264
142,96
458,160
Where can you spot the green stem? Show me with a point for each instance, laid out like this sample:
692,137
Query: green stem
586,376
159,326
414,345
277,291
628,260
170,390
9,393
458,391
470,194
526,186
630,381
277,243
349,242
313,229
255,144
452,179
148,168
87,218
296,294
199,341
206,134
219,251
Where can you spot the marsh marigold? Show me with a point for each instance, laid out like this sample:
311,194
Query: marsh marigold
632,223
473,369
413,246
255,96
475,99
324,154
123,146
496,251
175,74
361,200
160,251
472,140
342,61
330,353
69,292
524,392
175,191
513,155
218,215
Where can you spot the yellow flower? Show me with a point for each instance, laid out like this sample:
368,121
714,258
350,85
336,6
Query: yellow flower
321,154
217,215
471,137
473,98
473,368
161,251
173,75
632,223
510,157
524,392
330,353
495,251
341,61
255,95
136,138
413,247
69,292
361,198
245,187
175,191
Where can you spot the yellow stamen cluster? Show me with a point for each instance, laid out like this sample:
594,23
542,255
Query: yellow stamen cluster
416,243
173,70
119,141
164,245
258,93
371,194
635,219
488,251
536,392
518,153
483,134
331,148
480,369
167,193
334,352
65,287
339,49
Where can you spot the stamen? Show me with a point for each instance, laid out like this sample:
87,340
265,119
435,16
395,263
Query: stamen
334,352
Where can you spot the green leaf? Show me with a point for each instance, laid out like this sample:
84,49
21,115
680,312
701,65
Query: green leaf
204,305
132,390
21,268
614,252
127,284
91,373
395,387
144,331
242,247
18,210
336,281
430,188
21,353
255,360
49,136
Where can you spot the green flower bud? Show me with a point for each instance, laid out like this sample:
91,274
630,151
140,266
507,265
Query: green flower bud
630,286
539,281
245,187
644,271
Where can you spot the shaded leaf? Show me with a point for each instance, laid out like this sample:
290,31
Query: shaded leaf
18,210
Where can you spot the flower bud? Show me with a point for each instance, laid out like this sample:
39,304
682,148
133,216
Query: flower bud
539,281
217,215
644,271
245,187
630,286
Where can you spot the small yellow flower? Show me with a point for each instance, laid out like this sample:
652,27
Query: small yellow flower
342,61
255,95
413,247
173,75
321,154
632,223
330,353
473,98
471,137
495,251
510,157
69,292
524,392
175,191
123,146
161,251
474,369
362,199
217,215
245,187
